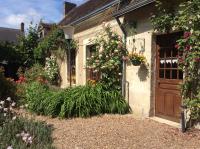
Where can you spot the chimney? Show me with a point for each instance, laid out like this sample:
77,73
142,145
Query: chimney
22,27
68,7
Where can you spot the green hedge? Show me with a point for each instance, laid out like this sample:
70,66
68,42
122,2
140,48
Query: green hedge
81,101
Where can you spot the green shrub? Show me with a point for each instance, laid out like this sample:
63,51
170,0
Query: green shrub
36,72
81,101
40,132
37,95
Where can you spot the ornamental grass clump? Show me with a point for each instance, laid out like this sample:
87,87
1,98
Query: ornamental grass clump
80,101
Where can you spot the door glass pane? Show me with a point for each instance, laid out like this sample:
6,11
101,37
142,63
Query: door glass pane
174,52
167,74
168,53
180,74
162,51
162,63
174,74
161,73
168,63
174,63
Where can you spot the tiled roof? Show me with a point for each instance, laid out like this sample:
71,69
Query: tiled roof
133,5
91,6
9,34
84,10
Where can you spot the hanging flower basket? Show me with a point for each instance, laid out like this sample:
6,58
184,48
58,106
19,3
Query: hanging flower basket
137,59
136,62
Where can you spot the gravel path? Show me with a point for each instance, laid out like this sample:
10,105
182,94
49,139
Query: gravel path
119,132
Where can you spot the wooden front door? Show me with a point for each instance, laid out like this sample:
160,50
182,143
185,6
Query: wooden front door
169,78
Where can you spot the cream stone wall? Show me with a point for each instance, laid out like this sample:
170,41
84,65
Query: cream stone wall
139,76
62,63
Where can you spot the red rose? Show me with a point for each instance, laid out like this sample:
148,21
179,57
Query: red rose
177,46
187,48
186,35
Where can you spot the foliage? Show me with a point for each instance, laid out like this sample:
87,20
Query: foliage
51,69
27,47
8,87
187,19
9,53
55,43
163,20
81,101
36,72
107,59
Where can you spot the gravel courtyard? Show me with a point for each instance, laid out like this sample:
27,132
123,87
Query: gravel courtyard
119,132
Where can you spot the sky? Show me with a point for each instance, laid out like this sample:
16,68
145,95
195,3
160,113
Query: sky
13,12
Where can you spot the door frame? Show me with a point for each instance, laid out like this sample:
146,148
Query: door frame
154,77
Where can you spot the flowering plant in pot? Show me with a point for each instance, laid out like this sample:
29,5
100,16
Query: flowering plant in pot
137,58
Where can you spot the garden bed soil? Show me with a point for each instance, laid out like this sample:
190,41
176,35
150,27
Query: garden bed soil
116,131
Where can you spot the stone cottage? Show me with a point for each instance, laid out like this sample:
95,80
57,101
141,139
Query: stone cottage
150,91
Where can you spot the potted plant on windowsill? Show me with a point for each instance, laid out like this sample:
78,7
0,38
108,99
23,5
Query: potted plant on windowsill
137,58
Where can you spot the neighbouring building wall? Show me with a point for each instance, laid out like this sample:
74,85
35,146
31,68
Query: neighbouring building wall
139,77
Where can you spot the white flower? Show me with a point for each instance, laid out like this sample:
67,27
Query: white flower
5,114
14,118
24,138
2,102
30,139
26,134
1,107
120,74
26,105
18,135
8,99
9,147
13,104
22,107
116,51
5,109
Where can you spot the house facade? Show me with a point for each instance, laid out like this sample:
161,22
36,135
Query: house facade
151,90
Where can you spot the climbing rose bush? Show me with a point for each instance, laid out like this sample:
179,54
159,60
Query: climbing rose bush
51,68
107,60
